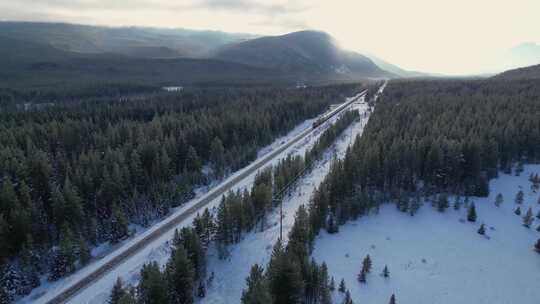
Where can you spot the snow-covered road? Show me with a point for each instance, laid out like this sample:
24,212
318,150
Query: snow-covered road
256,247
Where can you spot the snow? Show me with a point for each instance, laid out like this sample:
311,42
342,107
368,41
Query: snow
158,250
256,247
439,258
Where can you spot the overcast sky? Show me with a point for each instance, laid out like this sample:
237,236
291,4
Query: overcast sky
446,36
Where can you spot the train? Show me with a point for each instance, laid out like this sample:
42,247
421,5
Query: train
329,115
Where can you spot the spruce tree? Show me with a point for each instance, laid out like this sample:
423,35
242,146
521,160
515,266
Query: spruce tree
471,214
366,264
117,292
347,299
528,218
342,286
519,197
153,287
362,276
537,246
482,230
457,203
499,200
257,290
179,276
538,215
393,299
442,203
332,285
386,272
201,290
517,211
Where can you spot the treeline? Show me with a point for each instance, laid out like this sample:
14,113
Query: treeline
75,176
184,275
424,137
291,276
428,137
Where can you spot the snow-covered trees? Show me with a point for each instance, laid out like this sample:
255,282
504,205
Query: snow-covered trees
499,200
152,288
392,299
528,218
442,203
519,197
257,290
342,286
537,246
179,276
386,272
471,213
482,230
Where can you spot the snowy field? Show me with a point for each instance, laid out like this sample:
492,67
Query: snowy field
158,250
439,258
256,247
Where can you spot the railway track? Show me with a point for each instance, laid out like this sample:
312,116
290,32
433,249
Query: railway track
173,221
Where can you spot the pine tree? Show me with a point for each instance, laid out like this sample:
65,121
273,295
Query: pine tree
257,291
152,288
201,290
415,206
457,203
119,224
519,197
332,224
366,264
323,286
538,215
386,272
537,246
442,203
538,228
499,200
528,218
342,286
347,299
179,276
362,276
332,285
117,292
84,252
517,211
471,214
393,299
482,230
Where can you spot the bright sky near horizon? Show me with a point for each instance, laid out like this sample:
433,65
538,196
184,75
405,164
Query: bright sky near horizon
442,36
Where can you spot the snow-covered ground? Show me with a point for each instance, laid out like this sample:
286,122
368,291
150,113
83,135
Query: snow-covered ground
439,258
158,250
256,247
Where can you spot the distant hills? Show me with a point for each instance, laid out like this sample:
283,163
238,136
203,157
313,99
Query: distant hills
50,54
531,72
302,53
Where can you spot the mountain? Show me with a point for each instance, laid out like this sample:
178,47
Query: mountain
133,41
531,72
26,64
305,53
57,54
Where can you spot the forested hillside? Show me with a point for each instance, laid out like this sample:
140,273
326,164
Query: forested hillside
424,138
76,173
427,137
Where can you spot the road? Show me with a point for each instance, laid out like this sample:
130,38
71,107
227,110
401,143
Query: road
120,255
